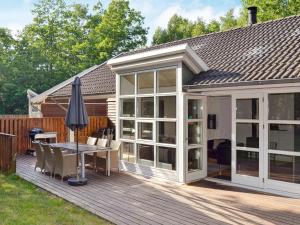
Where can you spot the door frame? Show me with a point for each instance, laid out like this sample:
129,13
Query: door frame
246,179
202,173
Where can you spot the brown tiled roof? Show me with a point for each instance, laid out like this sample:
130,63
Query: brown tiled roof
261,53
101,80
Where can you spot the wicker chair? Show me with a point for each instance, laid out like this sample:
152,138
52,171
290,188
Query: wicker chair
49,163
91,158
40,157
91,140
64,164
114,162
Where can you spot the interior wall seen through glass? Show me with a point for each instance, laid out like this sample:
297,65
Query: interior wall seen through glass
145,82
166,80
127,84
167,132
166,158
167,107
284,106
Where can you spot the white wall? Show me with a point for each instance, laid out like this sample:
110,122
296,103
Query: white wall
221,106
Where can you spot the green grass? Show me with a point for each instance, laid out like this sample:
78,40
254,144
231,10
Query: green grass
23,203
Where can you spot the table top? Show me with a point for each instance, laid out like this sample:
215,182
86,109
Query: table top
81,147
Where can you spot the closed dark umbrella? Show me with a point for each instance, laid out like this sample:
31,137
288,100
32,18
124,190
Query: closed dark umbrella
76,119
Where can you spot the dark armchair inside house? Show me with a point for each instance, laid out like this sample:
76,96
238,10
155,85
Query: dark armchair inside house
219,158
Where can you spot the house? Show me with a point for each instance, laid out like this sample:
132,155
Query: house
223,106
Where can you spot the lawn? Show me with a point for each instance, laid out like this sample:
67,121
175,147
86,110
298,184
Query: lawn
23,203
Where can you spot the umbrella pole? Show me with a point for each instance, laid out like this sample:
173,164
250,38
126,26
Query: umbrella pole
77,156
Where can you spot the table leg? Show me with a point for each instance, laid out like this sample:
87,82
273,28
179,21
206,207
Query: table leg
108,163
82,165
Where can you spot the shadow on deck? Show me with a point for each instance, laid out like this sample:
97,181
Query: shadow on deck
131,199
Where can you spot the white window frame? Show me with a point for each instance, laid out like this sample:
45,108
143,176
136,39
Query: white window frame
155,117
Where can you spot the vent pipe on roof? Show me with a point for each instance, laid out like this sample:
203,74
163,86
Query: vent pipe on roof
252,15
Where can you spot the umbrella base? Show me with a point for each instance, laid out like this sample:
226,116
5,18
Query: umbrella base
74,181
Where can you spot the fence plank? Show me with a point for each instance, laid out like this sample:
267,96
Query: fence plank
8,152
20,126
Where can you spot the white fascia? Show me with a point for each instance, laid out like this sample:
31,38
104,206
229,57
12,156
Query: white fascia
178,53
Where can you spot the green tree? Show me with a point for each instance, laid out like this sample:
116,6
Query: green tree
62,40
121,29
213,26
269,10
228,21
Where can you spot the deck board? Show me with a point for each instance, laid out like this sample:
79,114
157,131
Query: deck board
131,199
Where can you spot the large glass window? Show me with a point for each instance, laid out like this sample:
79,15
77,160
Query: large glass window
284,168
145,130
127,84
127,152
194,159
166,158
127,129
247,108
167,107
145,154
147,118
194,133
284,137
145,82
284,106
247,163
194,109
146,107
166,80
167,132
247,135
127,107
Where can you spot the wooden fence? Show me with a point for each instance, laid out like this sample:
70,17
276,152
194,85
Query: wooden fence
7,152
20,127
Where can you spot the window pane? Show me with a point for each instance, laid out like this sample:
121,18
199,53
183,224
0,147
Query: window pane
247,163
128,152
166,80
146,107
127,129
167,132
194,159
127,107
284,168
195,133
284,106
166,158
284,137
145,154
195,109
145,131
127,84
247,135
247,108
167,107
145,82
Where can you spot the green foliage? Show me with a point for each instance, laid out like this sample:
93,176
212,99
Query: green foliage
61,41
228,21
179,27
24,203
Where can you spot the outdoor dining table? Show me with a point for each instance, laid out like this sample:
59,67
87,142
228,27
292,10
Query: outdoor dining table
85,149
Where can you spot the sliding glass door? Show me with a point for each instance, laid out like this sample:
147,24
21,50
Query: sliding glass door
283,145
247,139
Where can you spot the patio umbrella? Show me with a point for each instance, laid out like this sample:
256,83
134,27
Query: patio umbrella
76,119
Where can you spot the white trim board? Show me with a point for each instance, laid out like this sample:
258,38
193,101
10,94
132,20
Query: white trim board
178,53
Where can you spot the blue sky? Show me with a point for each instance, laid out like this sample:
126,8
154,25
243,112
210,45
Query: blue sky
15,14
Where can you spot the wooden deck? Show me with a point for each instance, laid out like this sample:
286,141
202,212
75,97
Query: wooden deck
130,199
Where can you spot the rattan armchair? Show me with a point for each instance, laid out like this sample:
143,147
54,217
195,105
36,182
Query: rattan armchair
49,163
64,164
40,157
